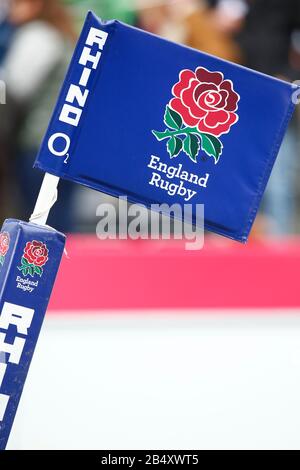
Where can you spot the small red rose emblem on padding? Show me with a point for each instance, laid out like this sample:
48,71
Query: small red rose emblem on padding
36,255
4,245
204,107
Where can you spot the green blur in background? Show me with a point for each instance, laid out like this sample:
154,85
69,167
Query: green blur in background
107,9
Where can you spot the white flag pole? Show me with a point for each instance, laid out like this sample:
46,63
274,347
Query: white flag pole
46,199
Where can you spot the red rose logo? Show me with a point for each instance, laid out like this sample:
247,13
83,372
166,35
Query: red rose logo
203,108
36,255
4,245
205,100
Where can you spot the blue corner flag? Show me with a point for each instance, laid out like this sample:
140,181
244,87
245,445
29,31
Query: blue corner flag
162,123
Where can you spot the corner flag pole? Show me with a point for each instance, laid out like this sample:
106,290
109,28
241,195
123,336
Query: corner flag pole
46,199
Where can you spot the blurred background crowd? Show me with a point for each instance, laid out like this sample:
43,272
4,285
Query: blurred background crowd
36,42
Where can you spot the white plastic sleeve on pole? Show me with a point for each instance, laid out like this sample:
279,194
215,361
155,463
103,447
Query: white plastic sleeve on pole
46,199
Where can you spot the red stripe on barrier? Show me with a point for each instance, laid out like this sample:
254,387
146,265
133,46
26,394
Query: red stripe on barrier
162,275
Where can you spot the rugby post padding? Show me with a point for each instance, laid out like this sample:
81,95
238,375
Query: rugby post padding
30,255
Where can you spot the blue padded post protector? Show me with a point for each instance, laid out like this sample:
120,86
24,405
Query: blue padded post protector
30,256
